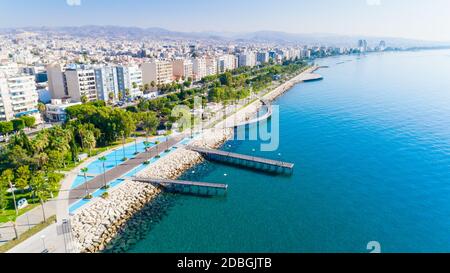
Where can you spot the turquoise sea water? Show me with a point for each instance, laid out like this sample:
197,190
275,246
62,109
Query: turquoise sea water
371,144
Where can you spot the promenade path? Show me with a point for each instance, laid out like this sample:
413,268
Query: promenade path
99,181
26,221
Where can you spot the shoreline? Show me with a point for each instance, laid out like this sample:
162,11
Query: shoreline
102,226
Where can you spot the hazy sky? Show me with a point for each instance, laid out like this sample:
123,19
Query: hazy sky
420,19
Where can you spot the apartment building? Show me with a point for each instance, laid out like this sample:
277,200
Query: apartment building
182,69
81,83
247,59
18,97
106,81
262,57
225,63
158,71
199,68
129,78
211,66
56,81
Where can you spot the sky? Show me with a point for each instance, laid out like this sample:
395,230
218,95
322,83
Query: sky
416,19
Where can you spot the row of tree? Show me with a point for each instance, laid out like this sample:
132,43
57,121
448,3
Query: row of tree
8,127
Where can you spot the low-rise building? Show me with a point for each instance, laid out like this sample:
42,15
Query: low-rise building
56,110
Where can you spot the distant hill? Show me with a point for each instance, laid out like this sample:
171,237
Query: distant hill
259,36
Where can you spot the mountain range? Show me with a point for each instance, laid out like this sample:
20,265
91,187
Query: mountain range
277,37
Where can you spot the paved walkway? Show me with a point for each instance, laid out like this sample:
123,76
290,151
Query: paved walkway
26,221
48,238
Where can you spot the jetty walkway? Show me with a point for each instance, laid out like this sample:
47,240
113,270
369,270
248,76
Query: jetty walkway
252,162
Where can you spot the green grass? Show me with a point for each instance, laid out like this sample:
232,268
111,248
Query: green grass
10,212
27,234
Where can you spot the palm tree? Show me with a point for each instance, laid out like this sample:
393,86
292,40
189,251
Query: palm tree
103,160
41,189
13,220
123,145
8,177
84,171
135,145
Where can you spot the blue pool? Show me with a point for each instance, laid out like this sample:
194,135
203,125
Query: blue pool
114,158
80,181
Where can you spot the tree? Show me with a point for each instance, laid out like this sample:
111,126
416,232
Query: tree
7,178
84,171
103,160
149,123
18,124
3,195
41,189
187,84
74,150
53,182
89,141
84,99
226,79
29,121
23,175
111,96
41,108
153,84
6,127
56,159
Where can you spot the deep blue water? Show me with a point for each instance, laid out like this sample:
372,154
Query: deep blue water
371,144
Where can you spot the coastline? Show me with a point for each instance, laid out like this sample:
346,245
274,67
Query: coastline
100,226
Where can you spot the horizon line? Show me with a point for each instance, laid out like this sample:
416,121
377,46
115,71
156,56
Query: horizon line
232,32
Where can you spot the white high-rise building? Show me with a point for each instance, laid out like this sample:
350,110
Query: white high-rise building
199,68
211,66
81,83
135,80
225,63
18,97
9,69
262,57
157,71
106,80
247,59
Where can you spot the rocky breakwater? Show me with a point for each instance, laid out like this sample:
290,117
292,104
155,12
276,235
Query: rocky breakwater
117,222
94,227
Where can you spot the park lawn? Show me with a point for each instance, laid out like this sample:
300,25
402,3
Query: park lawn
5,216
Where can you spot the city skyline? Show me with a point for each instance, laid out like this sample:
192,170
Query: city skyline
376,18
